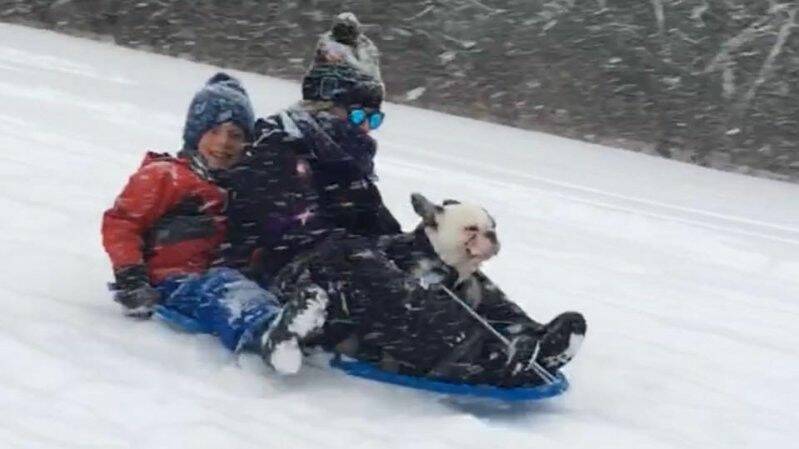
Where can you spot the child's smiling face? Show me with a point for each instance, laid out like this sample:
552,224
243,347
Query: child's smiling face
222,146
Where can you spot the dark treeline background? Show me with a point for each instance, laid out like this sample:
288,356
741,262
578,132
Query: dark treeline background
714,82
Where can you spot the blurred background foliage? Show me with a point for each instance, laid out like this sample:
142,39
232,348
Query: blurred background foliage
713,82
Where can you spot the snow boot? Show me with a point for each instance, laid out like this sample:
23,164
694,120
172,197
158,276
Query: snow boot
301,317
561,340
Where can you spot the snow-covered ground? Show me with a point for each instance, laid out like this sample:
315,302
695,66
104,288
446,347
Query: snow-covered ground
689,279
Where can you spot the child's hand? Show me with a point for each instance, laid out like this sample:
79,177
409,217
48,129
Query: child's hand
133,291
138,302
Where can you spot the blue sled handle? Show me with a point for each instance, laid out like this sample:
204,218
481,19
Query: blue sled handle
179,320
169,316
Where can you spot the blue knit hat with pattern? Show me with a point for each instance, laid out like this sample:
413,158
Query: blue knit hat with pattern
222,99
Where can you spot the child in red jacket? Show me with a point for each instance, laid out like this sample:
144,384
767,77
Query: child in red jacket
165,228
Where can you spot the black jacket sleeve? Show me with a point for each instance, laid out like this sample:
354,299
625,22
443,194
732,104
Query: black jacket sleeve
499,310
354,204
374,218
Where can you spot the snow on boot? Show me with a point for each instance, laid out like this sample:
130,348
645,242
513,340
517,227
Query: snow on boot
561,340
301,317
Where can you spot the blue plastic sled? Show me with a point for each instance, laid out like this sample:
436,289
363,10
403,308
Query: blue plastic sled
369,371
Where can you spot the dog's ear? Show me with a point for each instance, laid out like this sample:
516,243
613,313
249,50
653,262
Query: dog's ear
449,202
425,209
491,217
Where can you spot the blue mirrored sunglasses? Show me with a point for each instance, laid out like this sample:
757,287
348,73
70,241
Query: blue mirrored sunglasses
359,115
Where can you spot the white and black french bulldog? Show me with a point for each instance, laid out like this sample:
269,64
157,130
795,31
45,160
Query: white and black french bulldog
448,247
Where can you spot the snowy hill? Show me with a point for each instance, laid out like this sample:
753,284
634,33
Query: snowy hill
689,279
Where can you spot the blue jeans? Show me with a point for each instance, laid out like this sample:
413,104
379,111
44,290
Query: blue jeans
222,302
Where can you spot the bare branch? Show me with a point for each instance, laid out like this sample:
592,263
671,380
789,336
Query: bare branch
697,12
723,56
660,16
728,86
768,64
556,8
484,7
425,11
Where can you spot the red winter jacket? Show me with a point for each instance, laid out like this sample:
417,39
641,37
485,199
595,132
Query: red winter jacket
168,218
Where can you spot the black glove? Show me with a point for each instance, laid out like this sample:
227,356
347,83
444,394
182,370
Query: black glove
133,291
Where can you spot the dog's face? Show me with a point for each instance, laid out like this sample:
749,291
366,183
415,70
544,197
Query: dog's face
463,235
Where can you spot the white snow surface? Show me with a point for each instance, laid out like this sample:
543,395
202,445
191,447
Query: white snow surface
688,278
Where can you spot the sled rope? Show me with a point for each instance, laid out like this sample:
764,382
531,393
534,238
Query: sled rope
532,364
543,373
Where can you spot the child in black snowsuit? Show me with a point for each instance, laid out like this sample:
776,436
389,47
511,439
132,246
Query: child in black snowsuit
310,171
